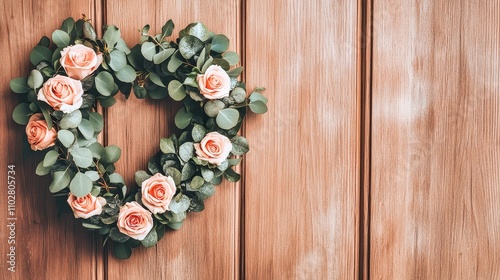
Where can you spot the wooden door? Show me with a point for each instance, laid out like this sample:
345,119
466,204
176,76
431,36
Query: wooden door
379,156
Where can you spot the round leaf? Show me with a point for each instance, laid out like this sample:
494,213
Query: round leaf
60,180
105,84
35,79
179,206
186,151
50,158
111,154
220,43
198,132
82,157
71,120
148,50
97,121
117,60
19,85
231,57
258,107
176,90
182,118
163,55
86,129
227,118
66,137
39,54
189,46
240,145
60,38
126,74
22,113
81,185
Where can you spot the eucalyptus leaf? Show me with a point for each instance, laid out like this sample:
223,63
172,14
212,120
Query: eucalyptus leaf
232,175
174,173
80,185
227,118
240,145
183,118
60,180
151,239
141,176
35,79
162,55
189,46
213,107
207,174
117,60
258,107
232,58
148,50
21,114
60,38
188,171
50,158
197,182
82,157
179,206
156,79
111,35
198,132
19,85
97,121
176,90
238,94
167,146
126,74
220,43
86,129
175,62
117,236
111,154
186,151
167,29
93,175
39,54
122,251
71,120
66,137
256,96
42,170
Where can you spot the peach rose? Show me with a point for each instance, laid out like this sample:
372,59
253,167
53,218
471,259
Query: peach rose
39,135
134,220
215,83
157,192
79,61
214,148
86,206
62,93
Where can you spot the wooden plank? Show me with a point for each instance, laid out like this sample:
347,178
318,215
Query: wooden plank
207,245
302,173
46,246
436,141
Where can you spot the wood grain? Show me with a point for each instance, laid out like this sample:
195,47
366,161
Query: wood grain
436,141
47,247
302,174
207,245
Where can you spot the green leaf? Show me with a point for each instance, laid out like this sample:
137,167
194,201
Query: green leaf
50,158
89,31
42,170
213,107
68,25
197,182
186,151
117,60
117,236
19,85
240,145
163,55
97,121
66,137
174,173
22,113
107,102
116,178
81,185
141,176
122,46
60,180
111,154
182,118
238,94
139,91
44,42
35,79
82,157
97,149
176,90
71,120
220,43
156,79
232,58
207,174
227,118
46,109
258,107
91,226
201,58
231,175
198,30
158,92
207,64
167,146
179,206
148,50
256,96
93,175
188,171
126,74
111,36
167,29
86,129
122,250
189,46
174,62
39,54
234,73
198,132
60,38
151,239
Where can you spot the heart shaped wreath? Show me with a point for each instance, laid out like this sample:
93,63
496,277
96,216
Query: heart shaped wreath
59,109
